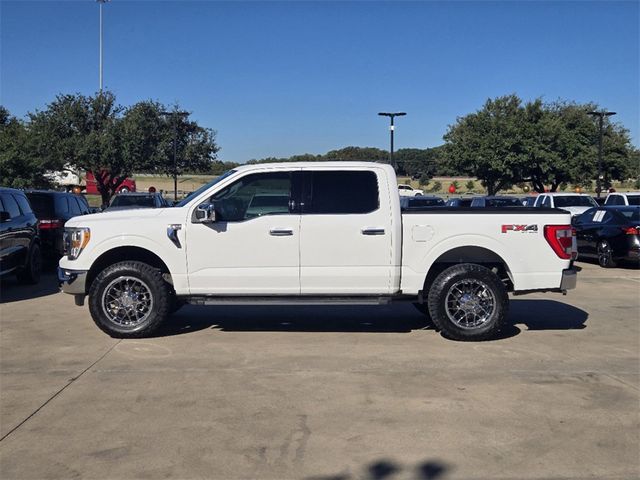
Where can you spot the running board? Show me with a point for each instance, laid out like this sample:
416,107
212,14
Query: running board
292,300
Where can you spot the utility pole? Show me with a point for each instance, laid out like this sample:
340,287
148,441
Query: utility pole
101,2
174,119
600,116
391,129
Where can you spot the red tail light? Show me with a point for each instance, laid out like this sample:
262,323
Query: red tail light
51,224
561,239
631,231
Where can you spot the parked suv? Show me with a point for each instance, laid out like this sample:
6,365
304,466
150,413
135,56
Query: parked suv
19,240
628,198
53,209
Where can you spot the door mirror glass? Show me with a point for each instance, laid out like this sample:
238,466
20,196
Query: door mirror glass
205,213
4,216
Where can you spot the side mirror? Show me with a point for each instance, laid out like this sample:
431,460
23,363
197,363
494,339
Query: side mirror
4,216
205,213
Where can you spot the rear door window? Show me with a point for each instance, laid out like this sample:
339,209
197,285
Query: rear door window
632,199
341,192
10,205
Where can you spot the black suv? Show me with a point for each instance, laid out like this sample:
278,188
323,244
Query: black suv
19,240
53,209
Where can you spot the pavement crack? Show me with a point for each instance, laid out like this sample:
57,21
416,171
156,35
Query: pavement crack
69,382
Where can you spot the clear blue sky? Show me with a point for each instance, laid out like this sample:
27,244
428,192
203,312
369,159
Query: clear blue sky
276,79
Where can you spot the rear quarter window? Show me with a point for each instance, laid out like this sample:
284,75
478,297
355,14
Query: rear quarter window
23,203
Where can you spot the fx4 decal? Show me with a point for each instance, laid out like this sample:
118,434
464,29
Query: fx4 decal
520,228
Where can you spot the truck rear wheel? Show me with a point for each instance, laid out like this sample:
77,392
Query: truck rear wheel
468,302
129,300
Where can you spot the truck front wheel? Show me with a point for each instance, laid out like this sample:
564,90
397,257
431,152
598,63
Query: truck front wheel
468,302
129,299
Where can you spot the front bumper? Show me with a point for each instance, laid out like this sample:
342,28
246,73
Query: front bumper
72,281
569,279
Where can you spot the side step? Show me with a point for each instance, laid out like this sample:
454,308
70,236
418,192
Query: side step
289,300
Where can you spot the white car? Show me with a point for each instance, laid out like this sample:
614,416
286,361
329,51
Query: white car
409,191
574,203
341,238
627,198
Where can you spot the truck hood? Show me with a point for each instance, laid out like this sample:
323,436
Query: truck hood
116,216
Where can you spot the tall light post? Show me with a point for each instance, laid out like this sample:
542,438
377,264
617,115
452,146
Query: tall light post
391,128
174,114
101,2
600,116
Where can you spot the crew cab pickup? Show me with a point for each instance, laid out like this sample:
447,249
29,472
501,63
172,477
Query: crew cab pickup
340,237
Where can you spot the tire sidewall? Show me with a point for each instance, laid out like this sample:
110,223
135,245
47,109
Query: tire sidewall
437,298
157,288
33,266
603,244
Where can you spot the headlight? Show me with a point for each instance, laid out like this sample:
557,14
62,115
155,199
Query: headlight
75,239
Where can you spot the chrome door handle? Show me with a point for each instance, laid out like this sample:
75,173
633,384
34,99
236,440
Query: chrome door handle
280,232
372,231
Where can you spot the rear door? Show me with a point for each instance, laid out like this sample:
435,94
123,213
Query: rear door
345,233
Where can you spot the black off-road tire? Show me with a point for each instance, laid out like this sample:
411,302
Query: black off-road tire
444,282
159,291
30,273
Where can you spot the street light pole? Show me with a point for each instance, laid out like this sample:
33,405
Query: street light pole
391,129
101,2
600,116
174,115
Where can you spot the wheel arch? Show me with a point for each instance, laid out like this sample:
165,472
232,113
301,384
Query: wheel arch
123,254
470,254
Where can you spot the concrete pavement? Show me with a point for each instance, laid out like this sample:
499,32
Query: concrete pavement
331,393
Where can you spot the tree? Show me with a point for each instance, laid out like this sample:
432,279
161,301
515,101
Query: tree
19,166
97,135
416,162
359,154
489,143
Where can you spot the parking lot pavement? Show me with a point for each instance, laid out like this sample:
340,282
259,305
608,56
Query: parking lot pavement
324,393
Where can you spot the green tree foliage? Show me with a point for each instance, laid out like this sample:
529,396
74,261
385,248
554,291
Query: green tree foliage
416,162
358,154
97,135
507,142
489,143
20,167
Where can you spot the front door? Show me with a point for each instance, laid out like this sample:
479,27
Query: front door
253,246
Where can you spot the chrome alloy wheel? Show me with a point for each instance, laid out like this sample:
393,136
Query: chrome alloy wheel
127,301
470,303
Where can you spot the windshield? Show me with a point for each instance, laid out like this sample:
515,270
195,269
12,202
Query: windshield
203,188
574,201
633,199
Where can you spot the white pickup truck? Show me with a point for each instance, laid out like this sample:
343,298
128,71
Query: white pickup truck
313,233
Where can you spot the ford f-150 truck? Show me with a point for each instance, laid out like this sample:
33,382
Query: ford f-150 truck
313,233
